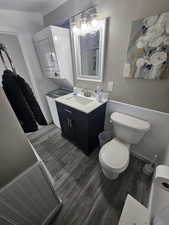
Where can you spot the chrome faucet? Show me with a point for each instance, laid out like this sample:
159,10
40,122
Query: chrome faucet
86,92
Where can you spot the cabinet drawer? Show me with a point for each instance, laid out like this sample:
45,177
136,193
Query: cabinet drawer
65,110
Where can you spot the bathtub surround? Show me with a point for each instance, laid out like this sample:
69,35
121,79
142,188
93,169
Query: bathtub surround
145,93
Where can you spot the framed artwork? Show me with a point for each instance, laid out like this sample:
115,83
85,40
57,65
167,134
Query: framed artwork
148,50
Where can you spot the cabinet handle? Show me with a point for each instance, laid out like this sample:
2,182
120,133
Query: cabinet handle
66,110
70,123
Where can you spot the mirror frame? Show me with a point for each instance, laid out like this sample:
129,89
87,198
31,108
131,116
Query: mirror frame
77,56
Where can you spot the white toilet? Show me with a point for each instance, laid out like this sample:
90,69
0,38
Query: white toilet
114,156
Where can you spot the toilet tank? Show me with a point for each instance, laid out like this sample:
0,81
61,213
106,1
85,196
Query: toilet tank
129,129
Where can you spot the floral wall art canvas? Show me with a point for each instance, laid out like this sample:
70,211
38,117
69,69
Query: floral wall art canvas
148,50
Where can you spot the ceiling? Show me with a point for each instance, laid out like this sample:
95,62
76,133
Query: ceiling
41,6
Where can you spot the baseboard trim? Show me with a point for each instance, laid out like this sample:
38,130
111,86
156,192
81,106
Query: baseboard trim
141,157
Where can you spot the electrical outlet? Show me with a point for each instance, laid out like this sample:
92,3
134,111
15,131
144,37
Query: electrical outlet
110,86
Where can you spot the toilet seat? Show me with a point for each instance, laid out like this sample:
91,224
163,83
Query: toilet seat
114,156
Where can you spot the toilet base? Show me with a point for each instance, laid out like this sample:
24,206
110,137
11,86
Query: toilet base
111,176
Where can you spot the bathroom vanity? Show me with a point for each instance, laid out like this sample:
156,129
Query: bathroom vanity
81,119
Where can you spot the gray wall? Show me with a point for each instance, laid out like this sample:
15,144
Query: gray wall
146,93
16,154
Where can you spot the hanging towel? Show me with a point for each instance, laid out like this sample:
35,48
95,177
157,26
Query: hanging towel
22,101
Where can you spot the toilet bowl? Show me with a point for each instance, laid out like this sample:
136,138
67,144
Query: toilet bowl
114,158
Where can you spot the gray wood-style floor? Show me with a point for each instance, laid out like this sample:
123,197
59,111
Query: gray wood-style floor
88,197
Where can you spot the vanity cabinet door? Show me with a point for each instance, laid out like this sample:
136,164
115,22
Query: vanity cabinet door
66,121
81,130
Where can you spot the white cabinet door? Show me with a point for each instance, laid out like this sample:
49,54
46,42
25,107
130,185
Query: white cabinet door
134,213
53,49
47,57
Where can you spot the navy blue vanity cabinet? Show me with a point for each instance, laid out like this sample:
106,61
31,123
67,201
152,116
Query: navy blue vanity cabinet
66,119
82,128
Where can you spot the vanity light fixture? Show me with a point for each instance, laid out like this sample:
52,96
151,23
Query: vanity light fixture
86,22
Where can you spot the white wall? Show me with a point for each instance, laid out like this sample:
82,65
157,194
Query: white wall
40,83
14,50
156,140
24,25
16,153
20,21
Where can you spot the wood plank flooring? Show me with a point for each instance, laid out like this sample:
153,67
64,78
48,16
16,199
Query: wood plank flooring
88,197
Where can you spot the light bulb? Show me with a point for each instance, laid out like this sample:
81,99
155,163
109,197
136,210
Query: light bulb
95,23
84,27
75,30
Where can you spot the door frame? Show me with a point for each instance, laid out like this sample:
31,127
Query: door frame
20,35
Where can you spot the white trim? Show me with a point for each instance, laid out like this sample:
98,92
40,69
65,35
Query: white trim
88,79
30,72
141,157
76,48
138,107
20,37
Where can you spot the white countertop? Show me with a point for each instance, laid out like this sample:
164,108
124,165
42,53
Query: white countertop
86,108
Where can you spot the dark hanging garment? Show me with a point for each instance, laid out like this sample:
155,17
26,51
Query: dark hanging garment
22,101
29,96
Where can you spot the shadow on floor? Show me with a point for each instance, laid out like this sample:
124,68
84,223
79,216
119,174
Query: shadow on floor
132,181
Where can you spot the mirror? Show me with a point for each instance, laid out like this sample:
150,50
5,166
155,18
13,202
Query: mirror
89,51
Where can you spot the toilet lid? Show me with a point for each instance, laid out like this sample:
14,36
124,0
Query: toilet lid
115,154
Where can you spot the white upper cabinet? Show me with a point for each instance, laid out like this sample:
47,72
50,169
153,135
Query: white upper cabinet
54,52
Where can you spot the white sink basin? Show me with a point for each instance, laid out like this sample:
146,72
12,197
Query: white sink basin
83,104
80,100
